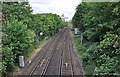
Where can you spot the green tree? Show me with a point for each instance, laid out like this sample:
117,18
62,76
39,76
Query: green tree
17,39
100,24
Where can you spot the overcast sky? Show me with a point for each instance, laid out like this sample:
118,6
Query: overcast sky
66,7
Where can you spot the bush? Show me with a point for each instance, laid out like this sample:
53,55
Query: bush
17,39
105,64
8,60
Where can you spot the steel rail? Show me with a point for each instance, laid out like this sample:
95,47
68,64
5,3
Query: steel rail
50,57
35,67
69,58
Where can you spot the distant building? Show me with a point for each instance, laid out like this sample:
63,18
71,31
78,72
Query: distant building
43,14
63,17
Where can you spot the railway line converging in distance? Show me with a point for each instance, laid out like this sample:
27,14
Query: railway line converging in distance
57,58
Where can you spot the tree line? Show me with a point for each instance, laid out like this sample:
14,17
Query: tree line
100,25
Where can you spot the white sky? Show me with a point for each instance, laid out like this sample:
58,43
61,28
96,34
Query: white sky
66,7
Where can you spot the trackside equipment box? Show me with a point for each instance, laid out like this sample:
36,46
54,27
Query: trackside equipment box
21,61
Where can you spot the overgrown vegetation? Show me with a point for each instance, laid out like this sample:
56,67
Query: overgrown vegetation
100,23
21,32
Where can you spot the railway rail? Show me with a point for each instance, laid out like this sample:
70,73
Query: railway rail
48,70
47,57
55,58
67,67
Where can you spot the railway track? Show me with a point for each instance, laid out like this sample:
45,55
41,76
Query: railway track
64,57
45,59
49,69
67,67
55,58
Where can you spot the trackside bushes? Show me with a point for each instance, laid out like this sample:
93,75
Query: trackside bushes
100,23
17,39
